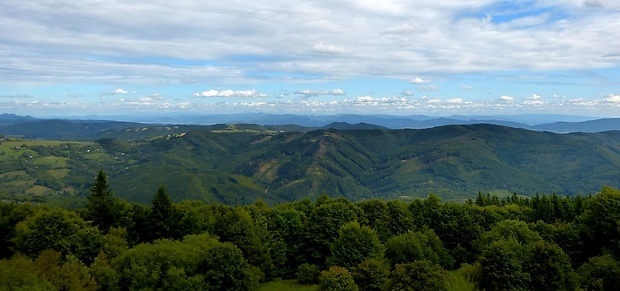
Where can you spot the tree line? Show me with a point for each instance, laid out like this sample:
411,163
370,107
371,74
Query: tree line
544,242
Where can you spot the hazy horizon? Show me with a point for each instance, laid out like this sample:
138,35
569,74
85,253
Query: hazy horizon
435,58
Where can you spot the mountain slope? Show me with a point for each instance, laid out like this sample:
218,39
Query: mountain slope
62,129
238,164
452,161
597,125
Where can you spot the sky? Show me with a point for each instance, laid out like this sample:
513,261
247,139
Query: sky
401,57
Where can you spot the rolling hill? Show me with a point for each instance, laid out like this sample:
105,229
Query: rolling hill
238,164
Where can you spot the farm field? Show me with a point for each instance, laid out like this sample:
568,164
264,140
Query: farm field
37,168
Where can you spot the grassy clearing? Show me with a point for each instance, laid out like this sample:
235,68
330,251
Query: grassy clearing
248,182
59,174
50,161
46,143
38,190
97,156
23,162
286,285
12,150
456,282
14,175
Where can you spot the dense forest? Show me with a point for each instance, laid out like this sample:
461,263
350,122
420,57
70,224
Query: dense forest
543,242
239,164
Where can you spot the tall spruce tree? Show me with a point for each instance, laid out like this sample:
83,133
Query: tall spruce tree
103,209
164,217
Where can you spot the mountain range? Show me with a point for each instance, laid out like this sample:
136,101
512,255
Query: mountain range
92,128
239,163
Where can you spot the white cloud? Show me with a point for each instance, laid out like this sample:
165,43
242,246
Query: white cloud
226,93
308,92
427,88
432,100
455,100
81,42
328,48
534,101
533,97
229,93
209,93
507,98
418,80
151,100
250,43
377,102
184,105
612,99
407,93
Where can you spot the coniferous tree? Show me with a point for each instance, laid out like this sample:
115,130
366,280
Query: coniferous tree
103,209
164,217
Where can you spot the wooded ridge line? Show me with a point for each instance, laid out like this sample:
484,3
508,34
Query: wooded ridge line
237,164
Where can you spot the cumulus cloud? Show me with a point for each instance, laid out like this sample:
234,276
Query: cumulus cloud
229,93
120,91
506,98
418,80
535,100
209,93
612,99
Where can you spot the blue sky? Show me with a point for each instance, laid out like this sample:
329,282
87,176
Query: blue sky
433,57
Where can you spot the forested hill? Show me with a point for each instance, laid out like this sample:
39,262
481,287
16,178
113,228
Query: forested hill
236,166
451,161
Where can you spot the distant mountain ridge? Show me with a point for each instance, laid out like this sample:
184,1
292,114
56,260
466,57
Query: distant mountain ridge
348,126
62,129
91,129
597,125
9,119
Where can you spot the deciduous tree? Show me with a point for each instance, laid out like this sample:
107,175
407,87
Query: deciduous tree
419,275
412,246
600,273
371,274
355,244
337,279
60,230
